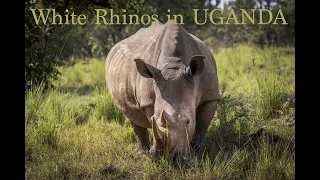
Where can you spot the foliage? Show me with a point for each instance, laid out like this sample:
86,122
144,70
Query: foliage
45,44
50,46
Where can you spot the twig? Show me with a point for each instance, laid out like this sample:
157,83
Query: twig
61,43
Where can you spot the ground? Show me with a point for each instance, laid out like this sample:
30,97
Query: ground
74,131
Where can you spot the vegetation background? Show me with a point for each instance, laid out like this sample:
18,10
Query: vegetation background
74,131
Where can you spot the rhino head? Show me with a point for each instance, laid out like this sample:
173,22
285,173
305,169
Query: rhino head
176,87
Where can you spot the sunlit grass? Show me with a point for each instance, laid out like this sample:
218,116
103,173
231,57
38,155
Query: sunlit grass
74,131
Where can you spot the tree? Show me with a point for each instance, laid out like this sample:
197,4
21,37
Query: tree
49,46
44,41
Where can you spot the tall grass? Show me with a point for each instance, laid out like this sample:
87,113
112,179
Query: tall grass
75,131
265,78
82,76
105,108
270,95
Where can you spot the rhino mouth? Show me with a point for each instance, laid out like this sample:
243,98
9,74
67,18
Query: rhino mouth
175,156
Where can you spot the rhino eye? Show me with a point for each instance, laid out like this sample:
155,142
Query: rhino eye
175,68
188,121
188,75
188,71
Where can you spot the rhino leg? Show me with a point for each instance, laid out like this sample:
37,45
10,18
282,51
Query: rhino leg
142,136
205,113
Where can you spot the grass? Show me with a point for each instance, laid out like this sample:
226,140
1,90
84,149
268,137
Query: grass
74,131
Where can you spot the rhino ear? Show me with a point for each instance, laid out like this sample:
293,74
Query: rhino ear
143,68
197,65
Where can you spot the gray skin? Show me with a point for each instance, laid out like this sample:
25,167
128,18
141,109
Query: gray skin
164,78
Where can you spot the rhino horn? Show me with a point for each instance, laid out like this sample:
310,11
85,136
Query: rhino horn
165,119
158,134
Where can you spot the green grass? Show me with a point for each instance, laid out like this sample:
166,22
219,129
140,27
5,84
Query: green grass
74,131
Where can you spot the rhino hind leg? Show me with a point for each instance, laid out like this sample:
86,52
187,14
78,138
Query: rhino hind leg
142,137
205,113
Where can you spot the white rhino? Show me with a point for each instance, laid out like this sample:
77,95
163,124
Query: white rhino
164,78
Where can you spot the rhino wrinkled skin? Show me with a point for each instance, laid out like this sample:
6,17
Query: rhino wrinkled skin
164,78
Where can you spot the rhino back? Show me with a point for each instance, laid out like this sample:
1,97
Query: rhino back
129,90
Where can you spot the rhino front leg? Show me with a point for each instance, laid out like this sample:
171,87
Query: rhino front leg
205,113
142,137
